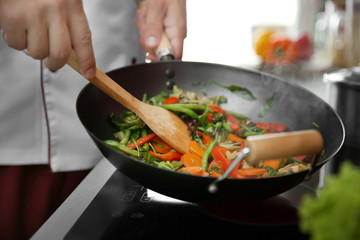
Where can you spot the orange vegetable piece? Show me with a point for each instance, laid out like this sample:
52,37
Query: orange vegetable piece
142,140
191,160
193,170
251,171
274,163
235,138
196,148
160,145
215,174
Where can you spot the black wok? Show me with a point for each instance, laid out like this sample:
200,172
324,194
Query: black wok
292,105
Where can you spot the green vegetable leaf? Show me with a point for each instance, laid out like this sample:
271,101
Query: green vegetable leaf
267,106
240,91
335,213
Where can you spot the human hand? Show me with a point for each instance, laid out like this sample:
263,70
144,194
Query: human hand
49,30
160,16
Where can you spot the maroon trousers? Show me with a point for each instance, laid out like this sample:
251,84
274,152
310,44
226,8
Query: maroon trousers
29,195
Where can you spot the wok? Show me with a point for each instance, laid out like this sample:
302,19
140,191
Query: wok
292,105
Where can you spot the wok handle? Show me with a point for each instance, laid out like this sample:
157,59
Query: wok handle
286,144
165,50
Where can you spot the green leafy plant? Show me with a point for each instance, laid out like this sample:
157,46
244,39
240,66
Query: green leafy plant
335,213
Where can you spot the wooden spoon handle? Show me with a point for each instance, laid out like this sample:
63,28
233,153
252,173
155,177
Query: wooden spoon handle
287,144
108,86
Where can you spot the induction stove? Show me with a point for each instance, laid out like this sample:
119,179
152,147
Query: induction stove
124,209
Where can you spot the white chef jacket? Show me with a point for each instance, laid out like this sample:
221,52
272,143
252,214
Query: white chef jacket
38,120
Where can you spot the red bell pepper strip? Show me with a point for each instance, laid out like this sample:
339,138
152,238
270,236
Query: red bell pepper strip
217,109
231,118
219,154
171,100
169,156
142,140
235,126
209,117
274,127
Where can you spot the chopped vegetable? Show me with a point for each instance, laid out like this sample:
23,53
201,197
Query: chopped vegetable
274,163
160,146
196,148
191,160
217,136
235,138
194,171
169,156
171,100
142,140
219,154
251,171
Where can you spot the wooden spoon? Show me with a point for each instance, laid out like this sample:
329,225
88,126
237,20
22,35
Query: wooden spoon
162,122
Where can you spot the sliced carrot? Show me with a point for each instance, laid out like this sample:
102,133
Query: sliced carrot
196,148
235,138
274,163
191,160
192,170
160,145
251,171
215,174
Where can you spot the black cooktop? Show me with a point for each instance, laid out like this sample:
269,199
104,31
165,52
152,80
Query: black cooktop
125,210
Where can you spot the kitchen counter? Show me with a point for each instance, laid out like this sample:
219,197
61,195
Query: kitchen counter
63,219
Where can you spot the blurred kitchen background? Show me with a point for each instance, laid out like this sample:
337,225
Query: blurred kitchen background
226,32
316,44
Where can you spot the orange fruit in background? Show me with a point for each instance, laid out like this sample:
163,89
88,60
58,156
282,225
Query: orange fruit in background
261,43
